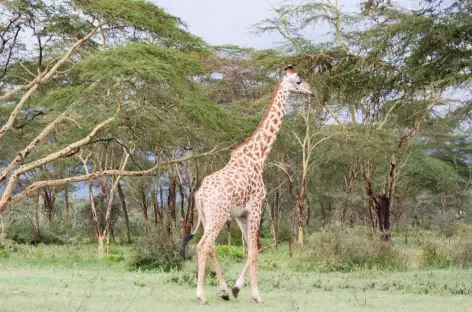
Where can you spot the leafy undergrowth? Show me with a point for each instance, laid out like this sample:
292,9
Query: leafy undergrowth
439,252
346,250
229,253
7,246
156,251
75,275
411,285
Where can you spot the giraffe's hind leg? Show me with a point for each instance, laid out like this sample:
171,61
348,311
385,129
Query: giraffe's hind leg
206,248
224,293
243,226
201,259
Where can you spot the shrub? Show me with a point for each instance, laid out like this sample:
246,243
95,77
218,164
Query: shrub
7,245
346,250
4,253
457,251
156,251
233,253
236,235
436,256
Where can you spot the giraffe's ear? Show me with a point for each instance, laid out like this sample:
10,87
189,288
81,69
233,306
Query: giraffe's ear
289,69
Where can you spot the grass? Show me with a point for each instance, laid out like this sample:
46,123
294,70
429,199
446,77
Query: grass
70,278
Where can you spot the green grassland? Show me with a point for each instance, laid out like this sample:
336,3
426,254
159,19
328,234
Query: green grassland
71,278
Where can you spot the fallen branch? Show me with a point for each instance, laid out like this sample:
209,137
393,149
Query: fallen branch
276,243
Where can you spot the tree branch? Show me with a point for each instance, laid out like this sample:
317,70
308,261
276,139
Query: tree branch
59,154
8,199
40,79
28,149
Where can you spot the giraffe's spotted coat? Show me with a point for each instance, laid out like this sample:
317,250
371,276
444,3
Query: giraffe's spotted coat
237,191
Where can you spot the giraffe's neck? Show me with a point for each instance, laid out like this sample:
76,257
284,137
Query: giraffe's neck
258,146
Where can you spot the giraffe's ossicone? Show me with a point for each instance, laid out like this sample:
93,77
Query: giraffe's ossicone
237,191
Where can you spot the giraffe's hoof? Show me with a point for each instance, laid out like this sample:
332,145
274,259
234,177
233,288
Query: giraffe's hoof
204,302
224,294
235,291
258,299
225,297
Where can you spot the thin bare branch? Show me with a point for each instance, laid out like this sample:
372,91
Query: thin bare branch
40,79
6,200
28,149
72,148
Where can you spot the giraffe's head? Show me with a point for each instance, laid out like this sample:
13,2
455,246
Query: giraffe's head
294,83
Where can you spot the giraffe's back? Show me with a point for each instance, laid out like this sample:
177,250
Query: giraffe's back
228,189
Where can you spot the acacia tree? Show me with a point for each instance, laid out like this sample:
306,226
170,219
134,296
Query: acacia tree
372,87
84,72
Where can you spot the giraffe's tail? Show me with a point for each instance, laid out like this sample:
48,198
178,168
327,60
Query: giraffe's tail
198,207
188,237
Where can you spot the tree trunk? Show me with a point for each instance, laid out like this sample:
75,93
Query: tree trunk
380,204
301,196
49,205
347,206
182,201
228,231
125,212
171,203
383,212
94,210
308,213
67,217
36,218
100,245
99,236
144,210
158,211
155,208
272,219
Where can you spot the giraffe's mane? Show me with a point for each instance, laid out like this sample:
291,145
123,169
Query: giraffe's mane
264,117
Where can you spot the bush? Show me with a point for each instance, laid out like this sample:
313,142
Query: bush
346,250
436,256
233,253
156,251
236,235
7,245
456,251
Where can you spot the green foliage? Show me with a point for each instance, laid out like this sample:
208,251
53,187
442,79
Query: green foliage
185,279
347,250
455,251
435,256
142,15
147,62
7,245
215,122
268,265
415,285
233,253
431,173
114,257
156,251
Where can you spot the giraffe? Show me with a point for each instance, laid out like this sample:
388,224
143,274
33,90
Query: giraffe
237,192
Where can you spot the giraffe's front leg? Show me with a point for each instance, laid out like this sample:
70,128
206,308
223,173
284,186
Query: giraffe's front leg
253,231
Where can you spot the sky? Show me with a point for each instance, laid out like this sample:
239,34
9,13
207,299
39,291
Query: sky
223,21
230,22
